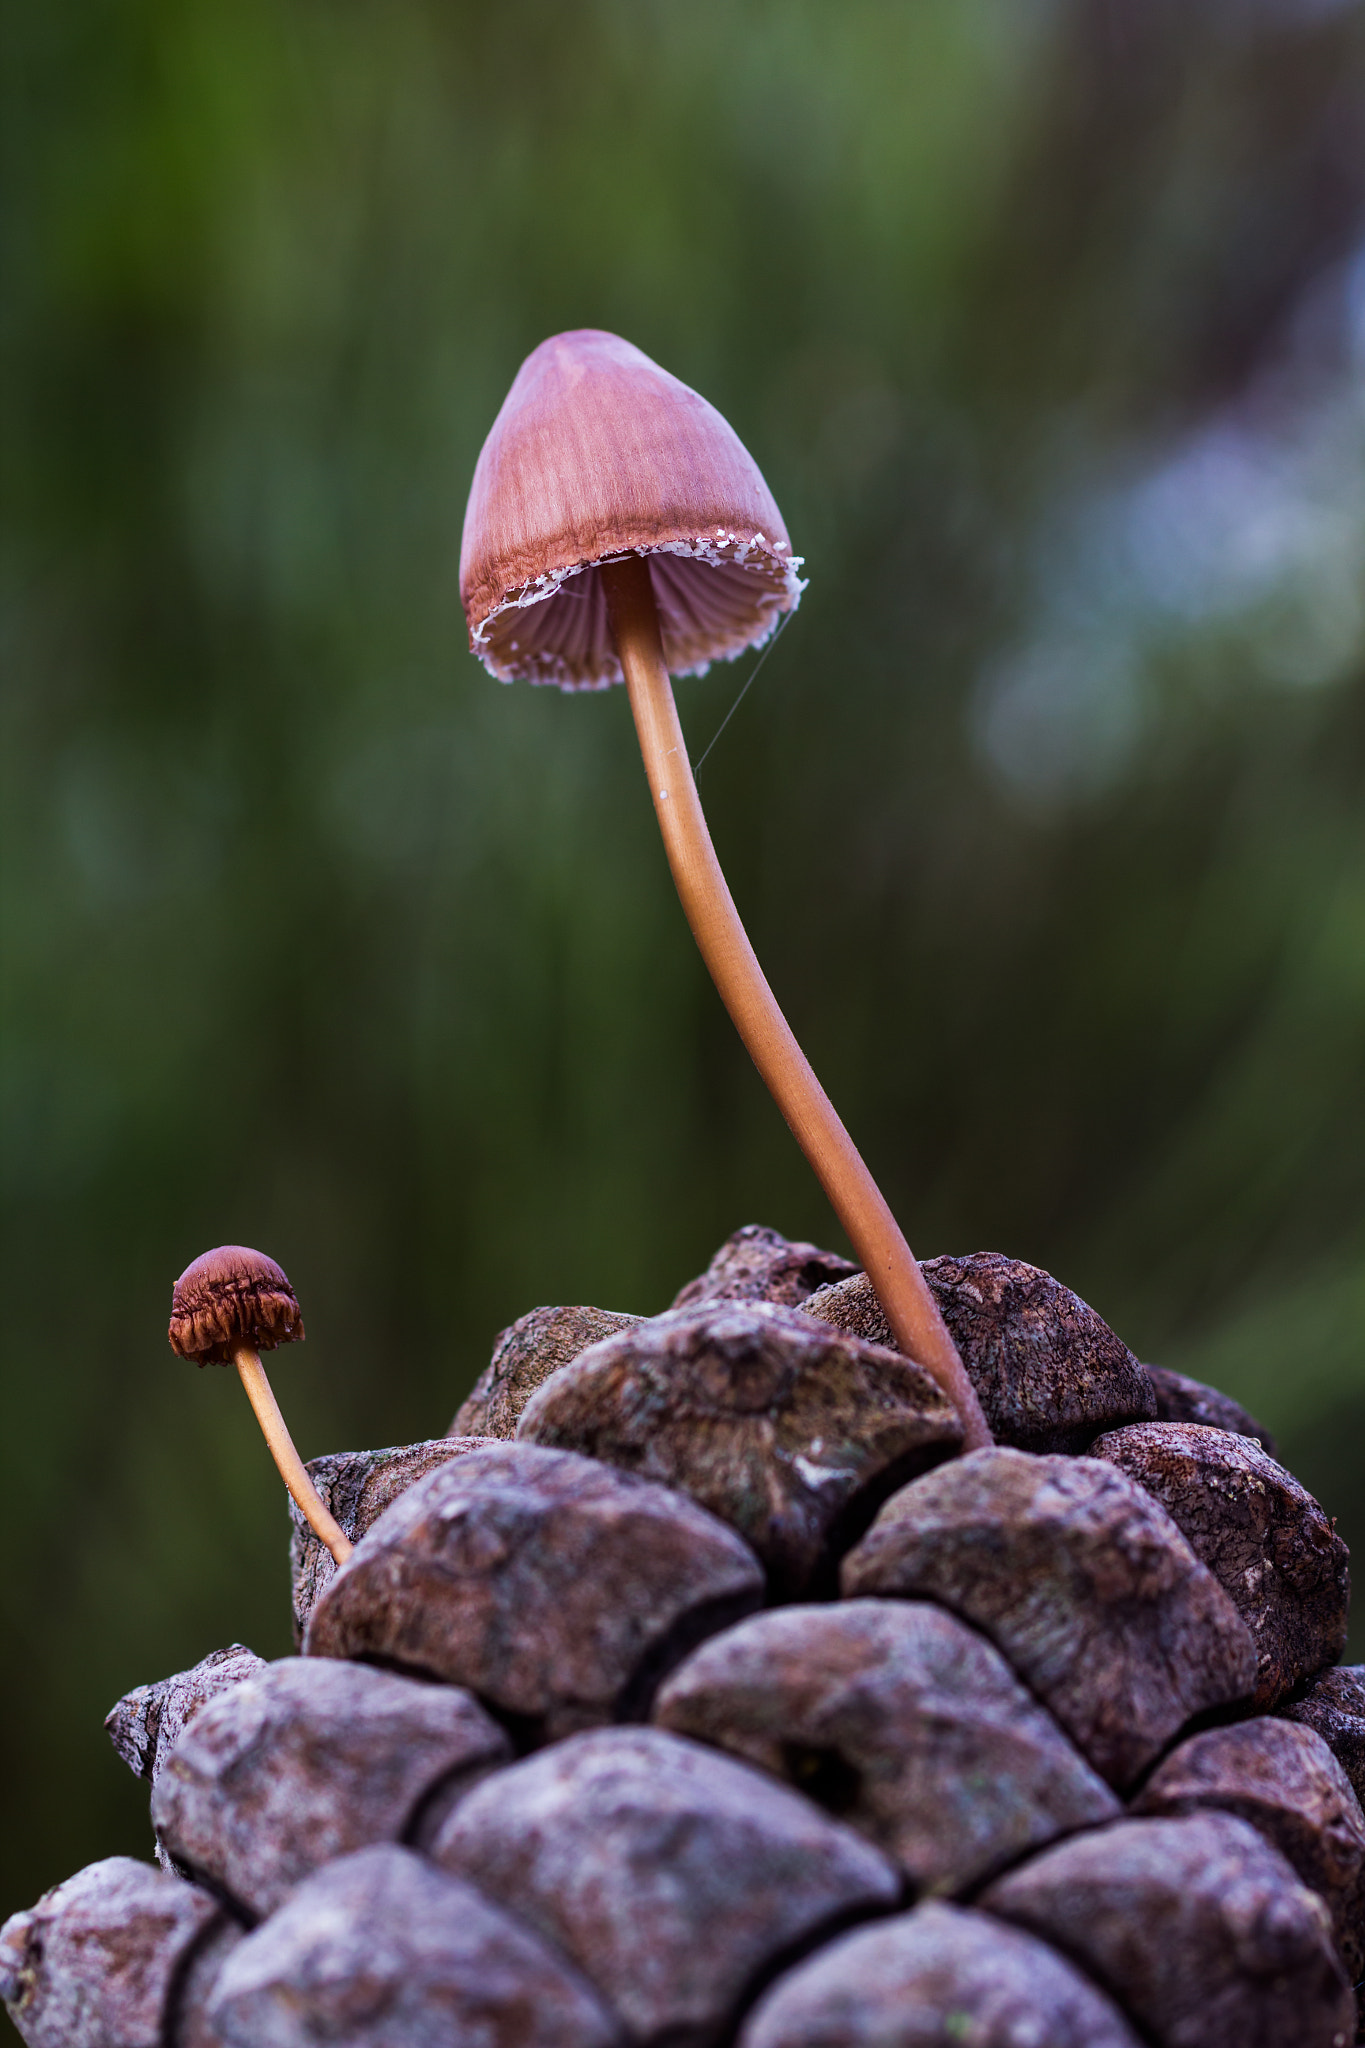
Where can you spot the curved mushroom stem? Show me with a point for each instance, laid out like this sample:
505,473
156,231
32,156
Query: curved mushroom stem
290,1464
857,1201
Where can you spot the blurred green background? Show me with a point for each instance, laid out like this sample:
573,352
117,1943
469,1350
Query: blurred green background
1046,321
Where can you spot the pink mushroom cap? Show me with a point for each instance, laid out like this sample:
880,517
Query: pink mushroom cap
598,453
229,1297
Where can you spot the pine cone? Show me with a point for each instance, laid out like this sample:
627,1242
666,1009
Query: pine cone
699,1691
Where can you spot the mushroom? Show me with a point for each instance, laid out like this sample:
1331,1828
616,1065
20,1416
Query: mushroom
226,1309
618,529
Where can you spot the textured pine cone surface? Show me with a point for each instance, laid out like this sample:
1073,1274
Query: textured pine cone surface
696,1690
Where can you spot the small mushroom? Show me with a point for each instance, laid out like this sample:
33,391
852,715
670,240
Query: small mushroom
226,1309
617,528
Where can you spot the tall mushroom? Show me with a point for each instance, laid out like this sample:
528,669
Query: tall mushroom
617,528
226,1309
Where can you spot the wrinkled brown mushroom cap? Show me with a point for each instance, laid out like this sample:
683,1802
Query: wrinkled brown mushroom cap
229,1297
598,453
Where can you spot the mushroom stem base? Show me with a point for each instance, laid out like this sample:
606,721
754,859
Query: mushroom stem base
289,1463
872,1230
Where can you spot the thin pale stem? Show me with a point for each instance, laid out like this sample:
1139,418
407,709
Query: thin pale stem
872,1230
291,1467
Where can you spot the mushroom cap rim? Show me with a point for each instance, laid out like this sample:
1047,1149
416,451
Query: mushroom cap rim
783,594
